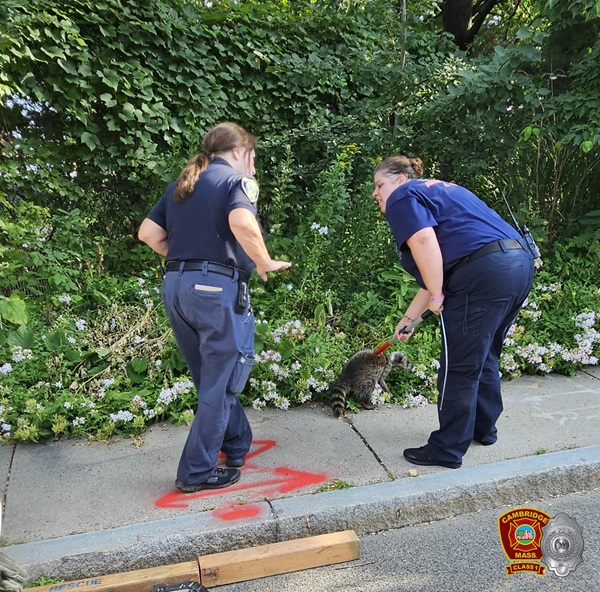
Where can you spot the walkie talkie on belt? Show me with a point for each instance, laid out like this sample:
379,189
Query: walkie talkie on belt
242,297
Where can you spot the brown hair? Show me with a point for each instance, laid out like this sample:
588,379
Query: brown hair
401,165
221,138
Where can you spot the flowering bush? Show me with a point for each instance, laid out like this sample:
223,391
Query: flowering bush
91,353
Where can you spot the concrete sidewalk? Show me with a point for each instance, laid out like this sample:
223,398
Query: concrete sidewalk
76,510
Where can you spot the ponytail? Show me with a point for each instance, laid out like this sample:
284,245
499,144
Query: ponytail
221,138
188,177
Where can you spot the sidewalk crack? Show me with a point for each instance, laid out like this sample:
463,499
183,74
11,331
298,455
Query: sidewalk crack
375,455
275,518
5,491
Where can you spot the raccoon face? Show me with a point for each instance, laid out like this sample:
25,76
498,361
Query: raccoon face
398,360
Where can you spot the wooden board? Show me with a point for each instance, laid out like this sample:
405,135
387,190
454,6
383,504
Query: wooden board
228,567
142,580
277,558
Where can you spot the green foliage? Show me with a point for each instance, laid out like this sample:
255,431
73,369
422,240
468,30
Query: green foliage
114,368
101,104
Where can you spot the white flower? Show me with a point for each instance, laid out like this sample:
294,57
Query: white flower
78,421
6,369
80,324
283,403
168,395
21,354
64,298
71,340
258,404
137,400
121,416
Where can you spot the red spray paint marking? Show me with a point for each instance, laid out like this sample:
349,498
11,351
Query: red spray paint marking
288,480
283,480
264,445
237,512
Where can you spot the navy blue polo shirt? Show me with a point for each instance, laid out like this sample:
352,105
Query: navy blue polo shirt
198,228
461,221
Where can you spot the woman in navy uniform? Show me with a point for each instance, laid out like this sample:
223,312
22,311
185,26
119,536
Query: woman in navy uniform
476,267
205,225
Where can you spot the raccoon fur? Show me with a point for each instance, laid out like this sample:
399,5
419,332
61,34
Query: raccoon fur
361,374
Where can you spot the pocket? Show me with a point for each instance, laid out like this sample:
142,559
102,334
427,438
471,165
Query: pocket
240,374
245,362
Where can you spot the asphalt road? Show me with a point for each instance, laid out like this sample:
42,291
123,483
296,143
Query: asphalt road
462,554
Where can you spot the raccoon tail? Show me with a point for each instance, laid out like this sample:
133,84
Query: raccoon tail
338,399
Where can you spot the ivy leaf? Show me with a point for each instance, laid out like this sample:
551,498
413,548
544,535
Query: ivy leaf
108,100
90,140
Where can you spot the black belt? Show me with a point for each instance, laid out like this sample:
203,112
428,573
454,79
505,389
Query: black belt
497,245
210,266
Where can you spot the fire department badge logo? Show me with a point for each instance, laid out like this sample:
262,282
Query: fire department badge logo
250,187
521,538
562,544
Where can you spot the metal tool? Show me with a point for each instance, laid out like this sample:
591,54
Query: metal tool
406,329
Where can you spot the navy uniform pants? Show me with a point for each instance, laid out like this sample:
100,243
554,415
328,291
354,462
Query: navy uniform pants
218,346
482,301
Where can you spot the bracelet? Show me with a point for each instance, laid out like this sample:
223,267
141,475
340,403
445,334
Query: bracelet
408,318
437,299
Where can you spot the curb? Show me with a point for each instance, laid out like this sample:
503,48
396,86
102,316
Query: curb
366,509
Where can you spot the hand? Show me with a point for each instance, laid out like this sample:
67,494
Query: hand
397,332
272,265
436,308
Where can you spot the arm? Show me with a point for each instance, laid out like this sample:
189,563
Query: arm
154,236
245,228
426,252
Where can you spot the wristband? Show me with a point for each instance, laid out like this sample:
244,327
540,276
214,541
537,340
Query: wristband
437,299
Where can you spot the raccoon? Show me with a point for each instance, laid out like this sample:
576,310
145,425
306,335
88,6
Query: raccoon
362,372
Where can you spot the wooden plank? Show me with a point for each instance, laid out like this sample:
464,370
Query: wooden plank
142,580
277,558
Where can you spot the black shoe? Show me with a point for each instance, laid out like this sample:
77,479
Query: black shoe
422,456
235,462
484,443
221,478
